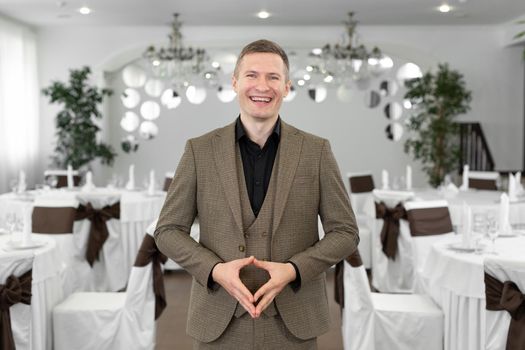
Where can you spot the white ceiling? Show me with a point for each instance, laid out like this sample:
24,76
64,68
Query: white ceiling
241,12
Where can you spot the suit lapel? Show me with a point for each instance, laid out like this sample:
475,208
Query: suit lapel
290,147
224,155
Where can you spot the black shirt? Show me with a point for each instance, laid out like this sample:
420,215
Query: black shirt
257,163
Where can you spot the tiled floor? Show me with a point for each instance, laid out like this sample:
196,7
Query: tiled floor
171,327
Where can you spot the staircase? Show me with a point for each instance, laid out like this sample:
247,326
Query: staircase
473,148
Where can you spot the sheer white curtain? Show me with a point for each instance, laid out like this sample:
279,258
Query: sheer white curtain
18,102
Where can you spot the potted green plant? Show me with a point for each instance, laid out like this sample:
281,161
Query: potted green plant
520,35
433,138
76,129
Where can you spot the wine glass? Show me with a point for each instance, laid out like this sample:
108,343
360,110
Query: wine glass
52,181
10,222
492,231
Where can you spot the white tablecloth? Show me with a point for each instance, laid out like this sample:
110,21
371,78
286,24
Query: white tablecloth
46,290
455,280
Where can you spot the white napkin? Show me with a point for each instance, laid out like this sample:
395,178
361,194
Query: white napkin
151,185
70,182
26,231
384,179
89,186
512,190
504,224
466,227
22,185
408,177
130,185
464,184
519,186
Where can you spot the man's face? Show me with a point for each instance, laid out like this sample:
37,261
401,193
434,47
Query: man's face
261,85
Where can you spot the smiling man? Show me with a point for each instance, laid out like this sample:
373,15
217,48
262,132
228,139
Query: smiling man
258,186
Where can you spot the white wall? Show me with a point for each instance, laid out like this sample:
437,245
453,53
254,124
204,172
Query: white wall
492,71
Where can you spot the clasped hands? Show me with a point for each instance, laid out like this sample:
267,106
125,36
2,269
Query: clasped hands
227,275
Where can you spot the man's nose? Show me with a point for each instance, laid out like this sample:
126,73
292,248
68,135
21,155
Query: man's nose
262,84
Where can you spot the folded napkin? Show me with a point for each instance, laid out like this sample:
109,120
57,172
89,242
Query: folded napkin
384,180
408,177
22,185
151,185
504,223
130,185
466,225
512,190
464,184
89,186
519,186
70,181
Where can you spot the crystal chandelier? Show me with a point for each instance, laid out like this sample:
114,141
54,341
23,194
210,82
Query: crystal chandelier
176,62
350,60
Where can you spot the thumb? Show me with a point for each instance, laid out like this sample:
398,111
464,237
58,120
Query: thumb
246,261
261,264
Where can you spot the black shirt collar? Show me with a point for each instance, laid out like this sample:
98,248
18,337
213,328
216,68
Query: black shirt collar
240,132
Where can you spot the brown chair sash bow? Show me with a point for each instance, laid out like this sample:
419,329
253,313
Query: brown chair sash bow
53,220
482,184
390,230
507,296
149,252
429,221
339,289
98,232
15,290
361,184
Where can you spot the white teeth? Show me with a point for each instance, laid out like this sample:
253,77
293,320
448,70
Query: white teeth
260,99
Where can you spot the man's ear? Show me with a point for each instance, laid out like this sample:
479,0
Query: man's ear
234,83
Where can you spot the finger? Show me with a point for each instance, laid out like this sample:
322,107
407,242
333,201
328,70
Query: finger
263,304
262,291
248,307
245,261
262,264
241,290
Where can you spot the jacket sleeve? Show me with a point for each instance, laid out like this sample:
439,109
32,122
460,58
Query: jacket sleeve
172,234
341,232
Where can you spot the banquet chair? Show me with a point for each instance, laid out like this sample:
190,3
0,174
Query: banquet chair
167,181
483,180
392,270
123,320
54,218
15,293
505,304
376,321
361,186
61,176
428,223
99,253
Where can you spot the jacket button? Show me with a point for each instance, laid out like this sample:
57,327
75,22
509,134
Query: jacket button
264,234
246,235
241,248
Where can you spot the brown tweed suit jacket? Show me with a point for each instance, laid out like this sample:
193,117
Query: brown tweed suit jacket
308,184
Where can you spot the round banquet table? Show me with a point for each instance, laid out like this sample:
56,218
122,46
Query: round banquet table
46,290
137,211
455,280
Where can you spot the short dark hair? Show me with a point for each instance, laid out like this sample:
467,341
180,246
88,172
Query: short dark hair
263,46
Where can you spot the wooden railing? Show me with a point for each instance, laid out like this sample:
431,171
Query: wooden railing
473,148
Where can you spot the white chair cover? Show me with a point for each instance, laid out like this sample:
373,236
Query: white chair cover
109,273
387,321
363,207
421,245
17,263
392,276
497,322
109,320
